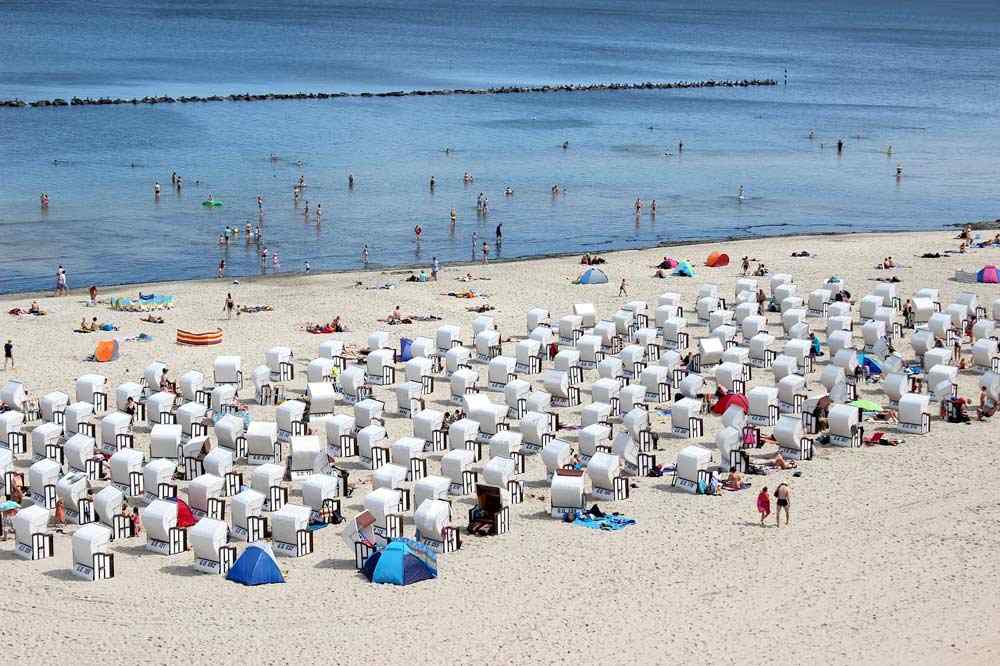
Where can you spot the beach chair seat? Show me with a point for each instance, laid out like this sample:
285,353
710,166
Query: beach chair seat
566,493
487,345
792,444
456,466
691,469
373,447
536,317
501,371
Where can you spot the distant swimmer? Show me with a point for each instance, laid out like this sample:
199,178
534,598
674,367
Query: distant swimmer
638,205
307,210
652,207
433,183
260,202
840,146
274,158
173,178
350,181
508,191
499,233
302,181
812,134
899,171
467,178
740,195
565,145
680,147
319,211
888,151
418,230
454,217
447,151
156,189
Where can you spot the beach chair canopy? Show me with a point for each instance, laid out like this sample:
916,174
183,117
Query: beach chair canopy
717,260
729,400
256,566
988,275
593,276
106,350
684,269
401,563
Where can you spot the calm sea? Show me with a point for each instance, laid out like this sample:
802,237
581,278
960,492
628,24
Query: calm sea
921,77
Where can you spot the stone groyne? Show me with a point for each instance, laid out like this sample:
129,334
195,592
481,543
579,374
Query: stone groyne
503,90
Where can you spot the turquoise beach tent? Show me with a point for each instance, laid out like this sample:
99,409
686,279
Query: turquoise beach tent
403,562
684,269
592,276
256,566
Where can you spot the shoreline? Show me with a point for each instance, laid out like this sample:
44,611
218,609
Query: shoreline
403,268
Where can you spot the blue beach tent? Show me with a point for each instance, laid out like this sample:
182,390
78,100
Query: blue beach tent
402,562
256,566
405,349
593,276
684,269
873,364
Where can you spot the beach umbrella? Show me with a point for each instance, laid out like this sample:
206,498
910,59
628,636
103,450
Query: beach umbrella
866,405
592,276
989,275
873,365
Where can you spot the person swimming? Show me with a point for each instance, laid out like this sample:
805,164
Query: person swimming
740,196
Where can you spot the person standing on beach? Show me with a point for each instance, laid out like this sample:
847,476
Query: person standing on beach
364,254
229,306
434,268
621,289
763,505
8,354
60,281
783,493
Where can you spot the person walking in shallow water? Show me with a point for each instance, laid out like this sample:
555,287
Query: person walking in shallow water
364,254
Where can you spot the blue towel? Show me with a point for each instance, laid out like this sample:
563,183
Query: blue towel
611,523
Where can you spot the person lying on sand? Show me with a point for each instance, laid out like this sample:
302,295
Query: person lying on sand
485,307
462,294
35,310
152,319
250,309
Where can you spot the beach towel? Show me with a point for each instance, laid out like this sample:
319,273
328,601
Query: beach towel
606,523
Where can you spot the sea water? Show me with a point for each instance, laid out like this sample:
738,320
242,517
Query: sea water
921,77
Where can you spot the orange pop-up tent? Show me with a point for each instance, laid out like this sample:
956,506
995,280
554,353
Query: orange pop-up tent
717,260
107,350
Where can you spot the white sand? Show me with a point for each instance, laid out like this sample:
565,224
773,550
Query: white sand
891,556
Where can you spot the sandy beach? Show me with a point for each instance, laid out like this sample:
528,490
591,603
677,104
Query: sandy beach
890,557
